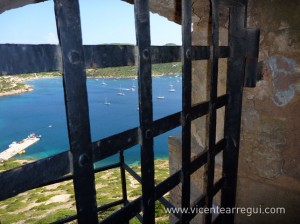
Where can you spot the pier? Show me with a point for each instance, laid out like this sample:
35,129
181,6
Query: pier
18,147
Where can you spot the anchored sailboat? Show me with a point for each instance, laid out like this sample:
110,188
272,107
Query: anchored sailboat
171,89
106,102
121,93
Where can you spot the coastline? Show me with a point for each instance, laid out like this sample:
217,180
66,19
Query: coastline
27,88
16,84
17,80
11,85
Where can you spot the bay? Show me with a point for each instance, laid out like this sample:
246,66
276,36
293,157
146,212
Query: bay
113,107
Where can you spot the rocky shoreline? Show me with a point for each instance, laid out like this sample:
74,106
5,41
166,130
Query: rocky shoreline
27,88
12,85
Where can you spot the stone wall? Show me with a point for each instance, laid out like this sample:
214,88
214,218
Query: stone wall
269,164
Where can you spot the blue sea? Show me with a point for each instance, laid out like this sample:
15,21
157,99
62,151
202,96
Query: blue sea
42,111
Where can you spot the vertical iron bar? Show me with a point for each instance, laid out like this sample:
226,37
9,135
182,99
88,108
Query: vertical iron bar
186,103
252,57
235,80
69,32
123,178
142,24
210,166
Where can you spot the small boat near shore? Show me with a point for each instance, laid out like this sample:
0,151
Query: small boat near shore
19,147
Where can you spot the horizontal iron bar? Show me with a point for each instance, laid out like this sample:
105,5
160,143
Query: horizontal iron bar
167,123
69,177
218,185
110,205
164,54
166,185
32,175
220,146
221,101
198,162
201,109
201,201
66,220
29,58
168,205
201,159
134,207
200,52
53,169
111,145
164,201
125,213
100,208
108,167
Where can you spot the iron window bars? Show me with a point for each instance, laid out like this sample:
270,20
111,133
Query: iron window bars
77,163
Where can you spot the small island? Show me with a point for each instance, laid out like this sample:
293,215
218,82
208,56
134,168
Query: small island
10,85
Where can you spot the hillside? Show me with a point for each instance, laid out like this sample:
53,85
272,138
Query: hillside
15,84
51,203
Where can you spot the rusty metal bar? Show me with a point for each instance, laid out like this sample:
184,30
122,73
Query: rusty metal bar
186,103
123,180
142,24
69,32
235,81
210,166
28,58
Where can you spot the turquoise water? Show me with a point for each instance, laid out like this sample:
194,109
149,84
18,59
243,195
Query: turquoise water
42,111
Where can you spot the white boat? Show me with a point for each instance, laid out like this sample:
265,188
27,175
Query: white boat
121,93
103,83
160,97
171,89
106,102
